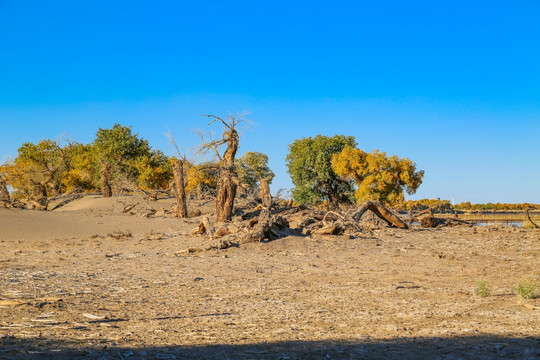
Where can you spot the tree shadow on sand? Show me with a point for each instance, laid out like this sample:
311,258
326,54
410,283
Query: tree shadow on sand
473,347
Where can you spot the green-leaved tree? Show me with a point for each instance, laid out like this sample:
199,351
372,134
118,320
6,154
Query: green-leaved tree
251,168
309,163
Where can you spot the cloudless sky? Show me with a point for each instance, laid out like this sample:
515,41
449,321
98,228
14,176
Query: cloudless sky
453,85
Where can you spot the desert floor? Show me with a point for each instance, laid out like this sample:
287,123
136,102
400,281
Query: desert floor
68,289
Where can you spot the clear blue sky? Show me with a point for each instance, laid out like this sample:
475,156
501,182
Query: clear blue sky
453,85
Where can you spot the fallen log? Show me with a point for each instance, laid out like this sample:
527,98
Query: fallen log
381,211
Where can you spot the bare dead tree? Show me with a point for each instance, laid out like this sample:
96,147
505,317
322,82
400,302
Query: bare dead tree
181,205
228,178
179,181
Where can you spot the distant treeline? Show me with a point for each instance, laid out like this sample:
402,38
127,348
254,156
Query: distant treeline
444,206
499,207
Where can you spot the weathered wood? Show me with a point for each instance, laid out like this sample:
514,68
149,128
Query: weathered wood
262,229
181,205
205,227
105,179
227,184
330,229
381,211
130,207
265,194
226,192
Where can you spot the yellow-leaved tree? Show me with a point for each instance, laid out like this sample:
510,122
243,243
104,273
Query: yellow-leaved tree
201,179
378,176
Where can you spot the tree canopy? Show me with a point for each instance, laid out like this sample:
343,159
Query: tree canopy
48,168
37,171
309,163
118,145
252,167
378,176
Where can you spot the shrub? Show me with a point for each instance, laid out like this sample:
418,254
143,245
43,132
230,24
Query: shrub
526,288
483,289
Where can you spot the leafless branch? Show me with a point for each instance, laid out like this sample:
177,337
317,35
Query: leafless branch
209,144
172,141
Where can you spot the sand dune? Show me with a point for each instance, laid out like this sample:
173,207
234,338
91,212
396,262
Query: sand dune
91,215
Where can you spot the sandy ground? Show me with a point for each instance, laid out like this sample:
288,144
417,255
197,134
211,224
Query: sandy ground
69,290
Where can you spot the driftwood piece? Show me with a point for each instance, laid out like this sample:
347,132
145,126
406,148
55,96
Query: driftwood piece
222,231
381,212
330,229
205,227
128,208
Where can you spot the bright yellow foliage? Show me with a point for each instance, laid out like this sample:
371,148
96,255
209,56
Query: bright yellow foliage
202,177
80,174
378,176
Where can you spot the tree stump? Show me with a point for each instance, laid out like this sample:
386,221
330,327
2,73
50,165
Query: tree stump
260,229
181,206
265,194
105,179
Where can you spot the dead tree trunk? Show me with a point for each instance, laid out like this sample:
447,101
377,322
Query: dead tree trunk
40,200
381,212
105,179
226,192
181,206
227,183
265,194
4,192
